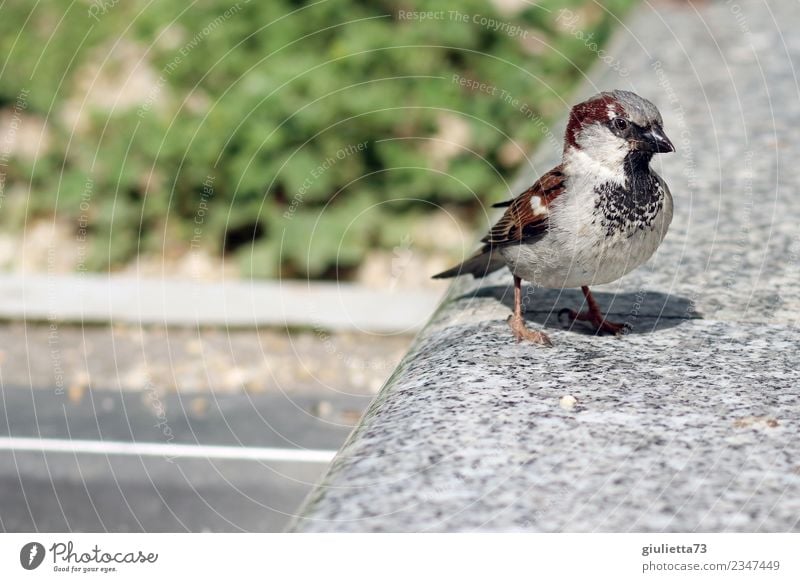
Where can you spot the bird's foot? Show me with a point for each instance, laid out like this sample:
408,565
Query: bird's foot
597,320
521,332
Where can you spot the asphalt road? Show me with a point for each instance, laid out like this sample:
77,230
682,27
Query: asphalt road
250,461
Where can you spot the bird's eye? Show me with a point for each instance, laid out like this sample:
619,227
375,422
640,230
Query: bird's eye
620,123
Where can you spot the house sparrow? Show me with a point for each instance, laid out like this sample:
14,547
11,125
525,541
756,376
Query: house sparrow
590,220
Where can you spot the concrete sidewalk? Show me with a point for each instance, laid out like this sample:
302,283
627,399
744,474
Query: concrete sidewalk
91,298
690,423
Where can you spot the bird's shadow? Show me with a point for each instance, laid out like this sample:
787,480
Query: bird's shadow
644,311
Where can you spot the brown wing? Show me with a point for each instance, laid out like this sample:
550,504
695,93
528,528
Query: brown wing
527,214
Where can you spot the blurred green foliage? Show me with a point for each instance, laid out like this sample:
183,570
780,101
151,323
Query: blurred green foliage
294,135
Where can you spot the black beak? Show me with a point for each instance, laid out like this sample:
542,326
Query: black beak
654,140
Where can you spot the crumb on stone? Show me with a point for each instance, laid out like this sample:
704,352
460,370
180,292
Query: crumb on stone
568,402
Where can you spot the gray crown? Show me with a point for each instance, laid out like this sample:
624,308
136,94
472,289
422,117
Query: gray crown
638,109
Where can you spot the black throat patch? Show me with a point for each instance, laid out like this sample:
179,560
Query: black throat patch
634,205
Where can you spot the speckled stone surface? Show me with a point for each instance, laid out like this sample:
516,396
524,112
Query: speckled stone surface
689,423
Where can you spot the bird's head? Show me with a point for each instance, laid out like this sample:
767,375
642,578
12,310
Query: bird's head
616,127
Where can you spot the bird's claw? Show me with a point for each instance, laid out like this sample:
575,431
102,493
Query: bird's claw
571,314
596,320
521,332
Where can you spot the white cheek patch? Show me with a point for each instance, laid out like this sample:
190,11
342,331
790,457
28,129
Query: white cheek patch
538,207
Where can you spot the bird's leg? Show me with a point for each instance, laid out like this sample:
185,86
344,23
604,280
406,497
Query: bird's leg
517,322
594,316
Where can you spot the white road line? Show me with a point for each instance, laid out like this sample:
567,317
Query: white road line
170,451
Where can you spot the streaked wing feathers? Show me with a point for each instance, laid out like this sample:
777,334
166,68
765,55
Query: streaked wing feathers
527,214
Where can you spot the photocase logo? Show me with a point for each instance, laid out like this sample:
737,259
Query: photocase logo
31,555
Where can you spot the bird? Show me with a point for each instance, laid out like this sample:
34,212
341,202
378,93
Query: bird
596,216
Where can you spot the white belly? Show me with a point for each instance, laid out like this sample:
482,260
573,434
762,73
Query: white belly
577,251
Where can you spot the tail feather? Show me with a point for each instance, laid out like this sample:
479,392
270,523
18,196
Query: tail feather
480,264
